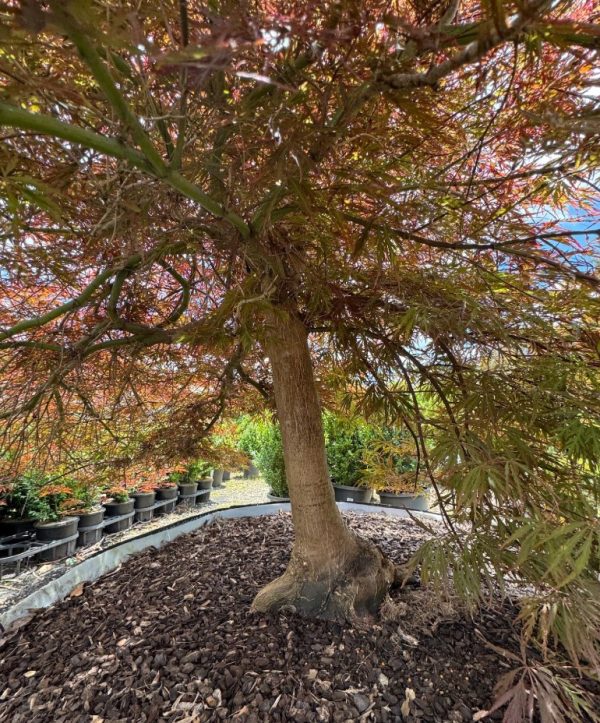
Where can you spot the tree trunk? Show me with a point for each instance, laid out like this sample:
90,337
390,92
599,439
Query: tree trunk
332,572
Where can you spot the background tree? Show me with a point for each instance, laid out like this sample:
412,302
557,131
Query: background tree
404,191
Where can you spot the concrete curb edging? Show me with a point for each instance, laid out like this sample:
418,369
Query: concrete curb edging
106,560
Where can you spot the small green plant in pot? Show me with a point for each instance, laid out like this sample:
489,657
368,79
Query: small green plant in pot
119,503
53,524
144,496
248,442
186,477
200,471
20,503
86,496
187,487
166,491
165,480
118,494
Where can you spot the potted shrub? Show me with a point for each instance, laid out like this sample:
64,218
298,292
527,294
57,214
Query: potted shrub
224,450
185,486
86,505
345,442
186,479
144,497
205,480
199,472
52,523
217,478
118,503
167,490
20,504
248,443
406,495
187,491
269,456
393,469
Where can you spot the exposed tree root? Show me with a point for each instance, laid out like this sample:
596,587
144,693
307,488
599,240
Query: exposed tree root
352,588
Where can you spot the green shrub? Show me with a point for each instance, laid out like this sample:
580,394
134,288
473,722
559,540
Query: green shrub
269,456
192,472
199,469
86,494
345,443
249,435
118,493
33,496
53,502
21,499
177,477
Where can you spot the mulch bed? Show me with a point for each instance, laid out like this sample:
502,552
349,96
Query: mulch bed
169,637
237,491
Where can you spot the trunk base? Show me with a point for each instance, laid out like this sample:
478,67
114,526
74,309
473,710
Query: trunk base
351,589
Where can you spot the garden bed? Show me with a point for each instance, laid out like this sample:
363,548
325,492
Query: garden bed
169,636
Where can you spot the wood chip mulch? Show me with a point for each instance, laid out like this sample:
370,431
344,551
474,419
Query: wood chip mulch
169,637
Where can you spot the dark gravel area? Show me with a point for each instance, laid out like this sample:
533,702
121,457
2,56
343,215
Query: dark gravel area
169,637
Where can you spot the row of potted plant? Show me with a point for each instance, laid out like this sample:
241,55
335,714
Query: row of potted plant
362,458
56,509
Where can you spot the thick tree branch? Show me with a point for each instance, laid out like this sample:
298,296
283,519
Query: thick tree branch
71,305
472,53
47,125
103,78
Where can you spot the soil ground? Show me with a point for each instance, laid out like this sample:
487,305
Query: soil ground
169,637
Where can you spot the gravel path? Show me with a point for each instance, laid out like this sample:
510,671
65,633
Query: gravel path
240,491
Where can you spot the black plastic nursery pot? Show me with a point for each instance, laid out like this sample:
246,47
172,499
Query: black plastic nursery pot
143,504
10,527
187,490
345,493
251,472
226,476
204,486
143,500
59,530
217,478
115,509
167,493
406,500
90,527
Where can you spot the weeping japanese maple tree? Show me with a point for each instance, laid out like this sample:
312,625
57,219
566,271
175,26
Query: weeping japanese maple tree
405,190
